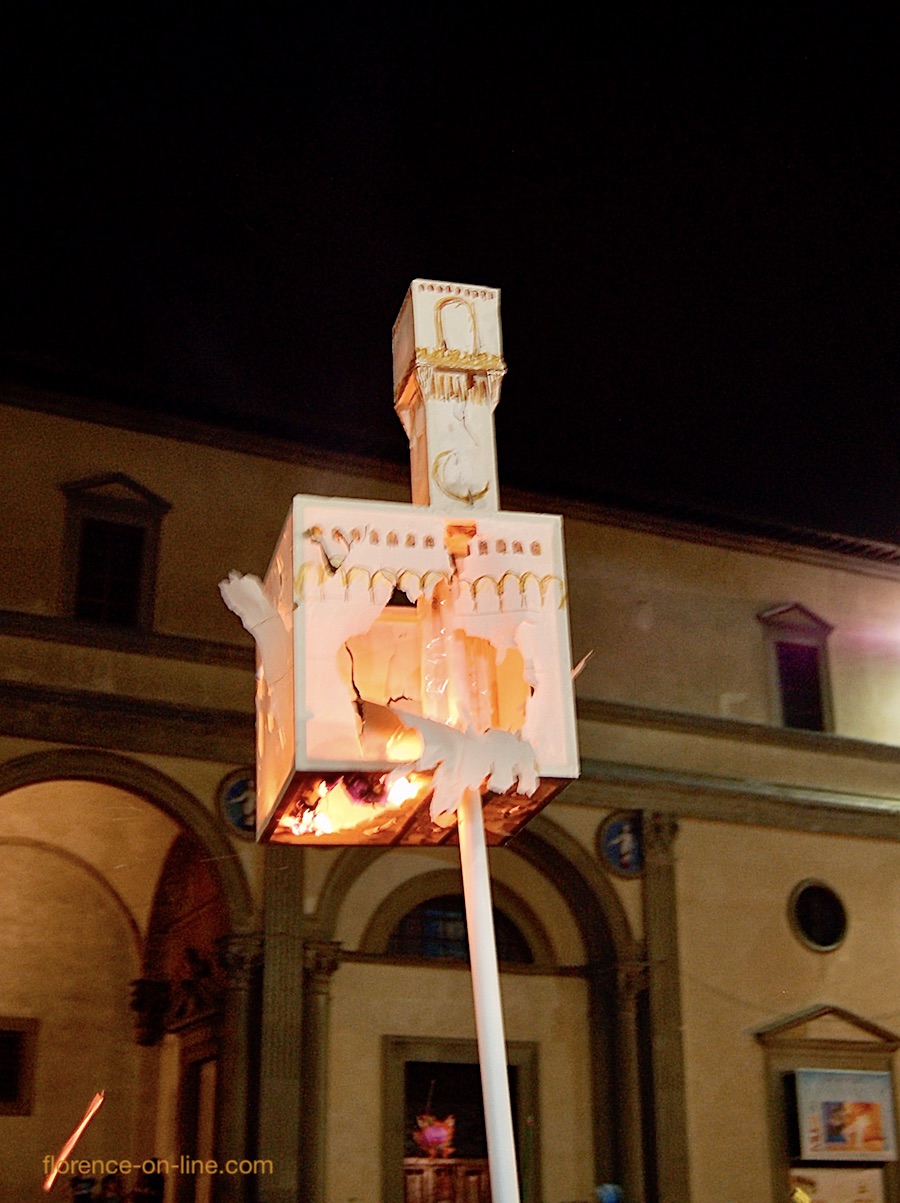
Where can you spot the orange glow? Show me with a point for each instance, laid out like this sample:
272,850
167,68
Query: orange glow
351,803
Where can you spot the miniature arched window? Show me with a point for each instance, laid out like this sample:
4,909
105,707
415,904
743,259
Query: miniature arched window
455,327
436,928
111,546
798,666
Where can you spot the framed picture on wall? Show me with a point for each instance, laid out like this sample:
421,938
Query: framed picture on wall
845,1115
839,1185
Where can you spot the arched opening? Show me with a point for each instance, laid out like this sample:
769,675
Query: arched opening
402,1010
110,891
179,1002
436,929
443,1126
422,888
455,327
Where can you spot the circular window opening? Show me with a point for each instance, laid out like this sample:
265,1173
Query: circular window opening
818,916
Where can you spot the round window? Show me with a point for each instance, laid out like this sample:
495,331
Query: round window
817,915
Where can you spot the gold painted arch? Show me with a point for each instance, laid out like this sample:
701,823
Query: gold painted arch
440,336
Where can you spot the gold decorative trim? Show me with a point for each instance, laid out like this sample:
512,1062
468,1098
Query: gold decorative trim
305,569
427,581
437,475
454,299
469,387
460,361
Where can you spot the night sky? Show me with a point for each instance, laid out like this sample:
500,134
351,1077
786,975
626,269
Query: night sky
693,221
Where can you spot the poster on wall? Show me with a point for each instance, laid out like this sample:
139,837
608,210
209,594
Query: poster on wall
845,1115
839,1185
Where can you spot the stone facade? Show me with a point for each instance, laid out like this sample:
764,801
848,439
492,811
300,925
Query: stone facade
264,1019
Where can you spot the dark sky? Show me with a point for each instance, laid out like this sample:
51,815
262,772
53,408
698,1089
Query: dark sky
693,220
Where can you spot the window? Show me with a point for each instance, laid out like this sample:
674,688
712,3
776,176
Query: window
112,535
18,1040
817,916
799,672
437,928
108,586
798,660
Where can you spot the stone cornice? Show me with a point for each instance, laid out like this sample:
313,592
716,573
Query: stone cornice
101,720
827,549
51,629
621,714
668,520
732,800
154,421
91,719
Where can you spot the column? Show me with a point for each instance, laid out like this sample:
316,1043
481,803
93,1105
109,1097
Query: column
661,933
282,1026
631,979
241,957
321,959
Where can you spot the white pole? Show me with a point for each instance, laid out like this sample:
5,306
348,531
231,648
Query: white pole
488,1011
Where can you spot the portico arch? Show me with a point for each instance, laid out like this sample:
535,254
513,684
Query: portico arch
550,849
611,966
70,802
108,768
425,886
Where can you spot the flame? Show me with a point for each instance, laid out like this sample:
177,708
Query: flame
331,804
402,790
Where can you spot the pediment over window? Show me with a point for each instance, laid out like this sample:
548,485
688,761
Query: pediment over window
797,642
115,488
795,619
829,1026
111,545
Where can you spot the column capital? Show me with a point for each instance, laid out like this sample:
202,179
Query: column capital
240,954
321,958
631,978
659,832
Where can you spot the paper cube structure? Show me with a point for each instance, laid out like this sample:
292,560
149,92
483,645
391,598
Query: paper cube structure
407,653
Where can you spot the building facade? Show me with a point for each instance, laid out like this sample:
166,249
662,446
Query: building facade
713,906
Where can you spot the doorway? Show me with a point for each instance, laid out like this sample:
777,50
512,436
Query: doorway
441,1079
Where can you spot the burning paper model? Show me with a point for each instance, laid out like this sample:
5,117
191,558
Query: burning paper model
406,654
414,679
